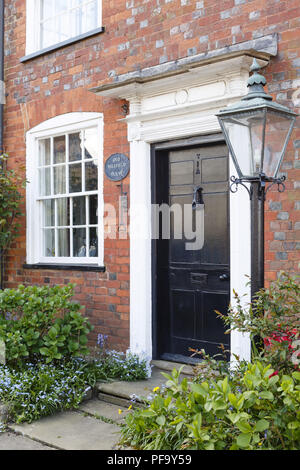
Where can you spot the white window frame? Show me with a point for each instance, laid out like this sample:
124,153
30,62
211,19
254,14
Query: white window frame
65,123
33,15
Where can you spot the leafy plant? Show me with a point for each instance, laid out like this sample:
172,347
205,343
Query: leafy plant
10,207
110,364
42,321
274,318
259,410
42,389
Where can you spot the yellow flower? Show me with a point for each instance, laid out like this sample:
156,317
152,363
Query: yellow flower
156,389
260,443
130,407
120,412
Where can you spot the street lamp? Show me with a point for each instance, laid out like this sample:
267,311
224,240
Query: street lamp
257,131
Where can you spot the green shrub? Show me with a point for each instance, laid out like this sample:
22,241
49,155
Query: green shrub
273,321
10,207
253,406
255,410
42,321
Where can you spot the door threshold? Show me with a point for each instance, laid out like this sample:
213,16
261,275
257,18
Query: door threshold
169,366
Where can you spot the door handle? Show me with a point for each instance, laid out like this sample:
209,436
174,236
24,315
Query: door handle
224,277
198,198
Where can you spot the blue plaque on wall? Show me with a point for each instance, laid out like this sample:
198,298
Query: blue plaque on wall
117,167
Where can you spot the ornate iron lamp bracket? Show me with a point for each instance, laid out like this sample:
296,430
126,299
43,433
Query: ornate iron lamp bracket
261,180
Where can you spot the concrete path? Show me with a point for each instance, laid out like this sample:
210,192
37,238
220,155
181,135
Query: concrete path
95,426
10,441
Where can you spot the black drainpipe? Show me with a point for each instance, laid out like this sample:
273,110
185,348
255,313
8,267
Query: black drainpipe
1,110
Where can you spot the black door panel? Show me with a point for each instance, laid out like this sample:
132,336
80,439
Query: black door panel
190,285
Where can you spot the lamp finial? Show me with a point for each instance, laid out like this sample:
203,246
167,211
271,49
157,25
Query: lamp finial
256,84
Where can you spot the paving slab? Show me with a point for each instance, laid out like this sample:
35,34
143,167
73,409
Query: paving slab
10,441
139,389
72,431
103,409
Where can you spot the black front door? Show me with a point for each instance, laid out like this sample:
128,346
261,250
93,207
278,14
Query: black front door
191,281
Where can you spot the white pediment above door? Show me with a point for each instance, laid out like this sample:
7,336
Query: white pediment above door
182,103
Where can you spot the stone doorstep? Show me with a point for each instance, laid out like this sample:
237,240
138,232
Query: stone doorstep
121,393
168,366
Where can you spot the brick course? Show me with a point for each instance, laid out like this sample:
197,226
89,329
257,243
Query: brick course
138,34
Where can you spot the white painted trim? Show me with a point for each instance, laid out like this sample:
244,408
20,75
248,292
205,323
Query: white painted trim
59,124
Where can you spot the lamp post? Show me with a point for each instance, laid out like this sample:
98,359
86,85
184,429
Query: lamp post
257,131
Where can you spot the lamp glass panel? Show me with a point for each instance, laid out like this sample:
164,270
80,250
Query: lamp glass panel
276,134
245,133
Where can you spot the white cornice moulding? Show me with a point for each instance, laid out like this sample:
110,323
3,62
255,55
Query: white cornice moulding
187,101
202,73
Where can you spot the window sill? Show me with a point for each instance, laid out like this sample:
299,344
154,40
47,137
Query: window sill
67,267
62,44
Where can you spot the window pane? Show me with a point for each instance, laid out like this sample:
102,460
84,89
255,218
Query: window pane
91,16
93,250
91,176
47,8
60,179
49,243
61,5
62,27
91,144
76,21
79,242
75,147
49,213
79,212
93,210
75,179
59,149
63,19
63,212
44,152
63,242
45,182
48,35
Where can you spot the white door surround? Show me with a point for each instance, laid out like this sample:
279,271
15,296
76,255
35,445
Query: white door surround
179,106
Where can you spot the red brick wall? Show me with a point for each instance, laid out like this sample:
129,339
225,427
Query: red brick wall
138,34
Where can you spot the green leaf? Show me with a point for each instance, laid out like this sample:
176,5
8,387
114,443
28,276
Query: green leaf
296,375
244,426
233,399
261,425
266,395
148,413
161,420
243,440
199,389
294,425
